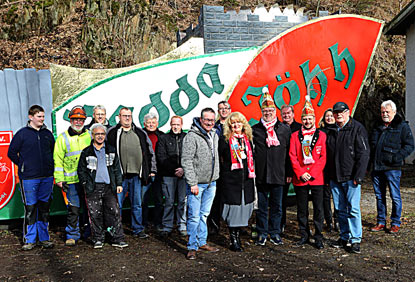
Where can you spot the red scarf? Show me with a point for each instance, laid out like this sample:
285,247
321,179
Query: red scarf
238,154
272,139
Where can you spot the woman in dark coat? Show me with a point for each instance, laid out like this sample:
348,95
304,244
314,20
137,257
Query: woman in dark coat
327,120
237,174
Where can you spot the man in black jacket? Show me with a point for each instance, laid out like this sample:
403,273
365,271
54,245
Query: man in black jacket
271,143
169,153
347,160
99,115
138,164
391,142
100,175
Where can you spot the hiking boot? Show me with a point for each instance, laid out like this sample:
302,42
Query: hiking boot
70,242
339,244
378,227
355,248
394,229
98,245
28,246
46,244
120,244
191,255
261,241
141,235
276,240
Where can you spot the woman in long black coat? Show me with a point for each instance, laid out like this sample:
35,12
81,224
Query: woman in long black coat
237,174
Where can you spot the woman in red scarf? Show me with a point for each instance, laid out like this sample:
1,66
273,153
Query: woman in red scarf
237,173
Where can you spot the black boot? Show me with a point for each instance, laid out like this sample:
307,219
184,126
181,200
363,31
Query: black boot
235,241
238,238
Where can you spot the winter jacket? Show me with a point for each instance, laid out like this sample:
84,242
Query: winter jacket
149,160
87,168
68,148
200,160
348,152
297,159
169,152
106,124
391,145
234,181
271,163
32,151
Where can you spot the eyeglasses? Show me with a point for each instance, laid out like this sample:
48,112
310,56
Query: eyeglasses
208,120
100,134
126,116
268,111
100,115
340,113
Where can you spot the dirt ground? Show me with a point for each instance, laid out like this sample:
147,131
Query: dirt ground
384,257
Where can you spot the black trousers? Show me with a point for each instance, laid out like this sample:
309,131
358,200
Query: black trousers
327,204
213,220
302,210
104,214
284,205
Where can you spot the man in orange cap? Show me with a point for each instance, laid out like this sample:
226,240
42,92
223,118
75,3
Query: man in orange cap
272,141
308,158
68,148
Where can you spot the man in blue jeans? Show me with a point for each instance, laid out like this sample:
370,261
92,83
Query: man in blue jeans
138,165
347,160
391,142
32,150
271,145
200,163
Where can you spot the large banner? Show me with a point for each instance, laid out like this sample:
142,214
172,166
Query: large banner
327,57
7,179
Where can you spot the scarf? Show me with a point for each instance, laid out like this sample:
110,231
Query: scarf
238,153
272,139
306,144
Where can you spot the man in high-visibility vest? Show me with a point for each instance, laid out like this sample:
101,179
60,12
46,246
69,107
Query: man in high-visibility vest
68,148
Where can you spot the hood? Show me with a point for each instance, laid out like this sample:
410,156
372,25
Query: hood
41,128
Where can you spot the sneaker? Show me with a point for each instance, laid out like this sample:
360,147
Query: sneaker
191,255
120,244
98,245
355,248
142,235
339,244
394,229
261,241
46,244
70,242
28,246
276,240
378,227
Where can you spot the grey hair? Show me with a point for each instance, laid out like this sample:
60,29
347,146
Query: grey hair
287,106
150,116
389,103
99,107
97,125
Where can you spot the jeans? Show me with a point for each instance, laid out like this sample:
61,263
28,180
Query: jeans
302,210
136,193
155,192
269,225
172,186
36,196
391,178
198,207
346,199
73,196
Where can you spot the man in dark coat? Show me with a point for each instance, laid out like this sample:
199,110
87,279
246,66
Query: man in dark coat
347,160
391,142
169,153
272,142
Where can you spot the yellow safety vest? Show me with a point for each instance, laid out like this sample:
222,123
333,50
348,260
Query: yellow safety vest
66,156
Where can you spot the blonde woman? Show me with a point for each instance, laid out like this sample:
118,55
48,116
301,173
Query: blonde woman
237,173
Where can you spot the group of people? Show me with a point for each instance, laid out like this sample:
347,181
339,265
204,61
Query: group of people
217,170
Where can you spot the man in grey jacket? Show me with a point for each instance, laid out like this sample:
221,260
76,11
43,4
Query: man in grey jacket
200,163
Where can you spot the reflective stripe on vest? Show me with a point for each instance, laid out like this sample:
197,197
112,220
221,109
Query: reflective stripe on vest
74,153
68,145
75,173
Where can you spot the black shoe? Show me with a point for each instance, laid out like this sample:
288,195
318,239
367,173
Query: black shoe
261,241
329,227
276,240
141,235
164,234
339,244
355,248
302,241
319,244
235,241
